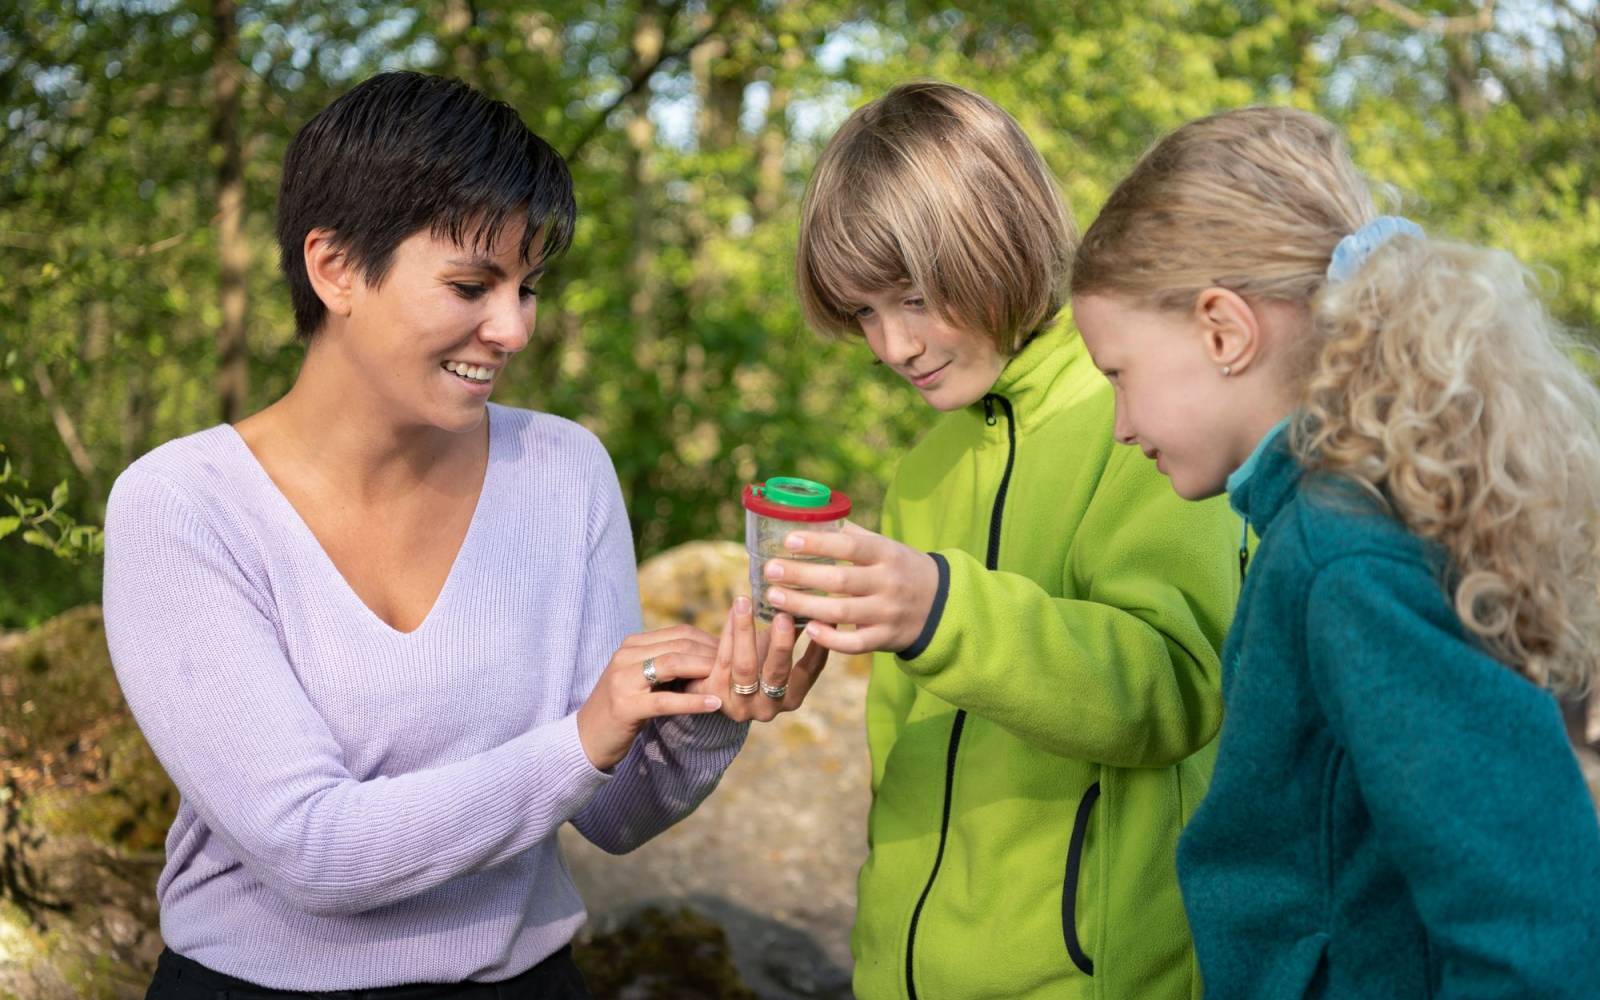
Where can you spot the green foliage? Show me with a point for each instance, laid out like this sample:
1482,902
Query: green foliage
43,522
670,328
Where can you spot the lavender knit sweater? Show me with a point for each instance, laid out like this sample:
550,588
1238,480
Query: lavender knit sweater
363,807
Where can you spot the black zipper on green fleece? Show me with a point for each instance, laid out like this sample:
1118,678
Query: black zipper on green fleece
992,561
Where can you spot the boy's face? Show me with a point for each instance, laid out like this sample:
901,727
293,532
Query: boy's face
950,366
1171,399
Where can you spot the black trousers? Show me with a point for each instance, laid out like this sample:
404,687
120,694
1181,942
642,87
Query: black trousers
555,978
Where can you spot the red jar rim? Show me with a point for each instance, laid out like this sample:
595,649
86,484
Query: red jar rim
838,506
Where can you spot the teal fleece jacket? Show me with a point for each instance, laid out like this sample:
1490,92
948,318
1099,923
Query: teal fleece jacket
1393,813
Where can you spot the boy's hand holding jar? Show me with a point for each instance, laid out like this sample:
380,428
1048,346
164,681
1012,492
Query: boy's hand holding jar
884,588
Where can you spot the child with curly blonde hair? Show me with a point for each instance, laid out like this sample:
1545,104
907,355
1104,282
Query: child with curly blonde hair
1395,809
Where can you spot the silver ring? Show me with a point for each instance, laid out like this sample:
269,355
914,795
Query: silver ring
650,677
747,688
775,692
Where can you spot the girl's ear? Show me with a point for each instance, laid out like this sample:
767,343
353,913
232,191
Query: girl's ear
1229,329
328,267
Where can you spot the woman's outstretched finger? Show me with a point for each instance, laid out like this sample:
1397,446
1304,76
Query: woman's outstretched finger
745,673
776,668
701,643
674,666
662,703
681,633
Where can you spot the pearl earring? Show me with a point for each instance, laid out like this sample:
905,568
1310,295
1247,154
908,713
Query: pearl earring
1227,370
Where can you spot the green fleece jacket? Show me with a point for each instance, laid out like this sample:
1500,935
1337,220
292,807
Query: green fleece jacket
1038,748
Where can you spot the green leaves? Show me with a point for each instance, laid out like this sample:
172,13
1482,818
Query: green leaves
44,524
671,328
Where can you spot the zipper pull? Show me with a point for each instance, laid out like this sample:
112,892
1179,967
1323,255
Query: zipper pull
988,411
1244,550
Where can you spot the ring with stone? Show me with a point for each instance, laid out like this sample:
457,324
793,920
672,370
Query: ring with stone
650,677
774,691
747,688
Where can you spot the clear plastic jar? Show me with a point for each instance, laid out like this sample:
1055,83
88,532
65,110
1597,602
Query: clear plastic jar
773,509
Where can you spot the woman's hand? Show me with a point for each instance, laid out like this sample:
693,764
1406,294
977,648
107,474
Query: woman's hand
623,699
756,674
887,591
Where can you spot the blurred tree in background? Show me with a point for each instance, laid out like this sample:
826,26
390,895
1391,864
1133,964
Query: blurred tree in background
140,143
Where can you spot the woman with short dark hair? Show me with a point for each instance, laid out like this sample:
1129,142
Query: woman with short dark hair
383,634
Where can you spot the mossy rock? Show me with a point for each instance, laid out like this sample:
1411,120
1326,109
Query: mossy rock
661,955
56,682
130,808
71,744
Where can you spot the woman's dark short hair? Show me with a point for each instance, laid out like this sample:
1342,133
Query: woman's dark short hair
404,152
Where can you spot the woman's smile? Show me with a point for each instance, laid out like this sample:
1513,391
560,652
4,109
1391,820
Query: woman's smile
475,379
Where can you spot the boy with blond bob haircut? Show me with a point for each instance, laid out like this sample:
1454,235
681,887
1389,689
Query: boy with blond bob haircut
1046,614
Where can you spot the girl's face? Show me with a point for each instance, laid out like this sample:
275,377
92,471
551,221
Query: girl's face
435,335
1172,399
950,366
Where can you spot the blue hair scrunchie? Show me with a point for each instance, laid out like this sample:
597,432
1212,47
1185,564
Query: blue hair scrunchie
1354,249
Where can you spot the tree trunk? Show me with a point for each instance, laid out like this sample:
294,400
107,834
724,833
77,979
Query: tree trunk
720,79
720,76
462,33
774,139
648,38
233,367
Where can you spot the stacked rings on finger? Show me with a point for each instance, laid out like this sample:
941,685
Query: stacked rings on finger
747,688
650,677
775,691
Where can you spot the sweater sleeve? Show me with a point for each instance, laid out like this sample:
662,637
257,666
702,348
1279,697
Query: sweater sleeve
1465,767
676,761
1127,672
197,652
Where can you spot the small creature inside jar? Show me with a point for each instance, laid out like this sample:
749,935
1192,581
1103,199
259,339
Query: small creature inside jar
773,509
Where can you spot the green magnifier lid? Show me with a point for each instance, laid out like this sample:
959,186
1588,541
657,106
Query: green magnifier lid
791,491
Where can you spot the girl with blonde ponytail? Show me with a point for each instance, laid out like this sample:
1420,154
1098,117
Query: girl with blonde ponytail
1395,810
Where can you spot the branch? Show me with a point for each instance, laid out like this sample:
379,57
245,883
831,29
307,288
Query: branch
1472,24
65,427
17,240
24,241
145,249
637,78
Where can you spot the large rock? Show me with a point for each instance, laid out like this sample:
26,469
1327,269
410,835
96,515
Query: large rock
85,809
694,583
